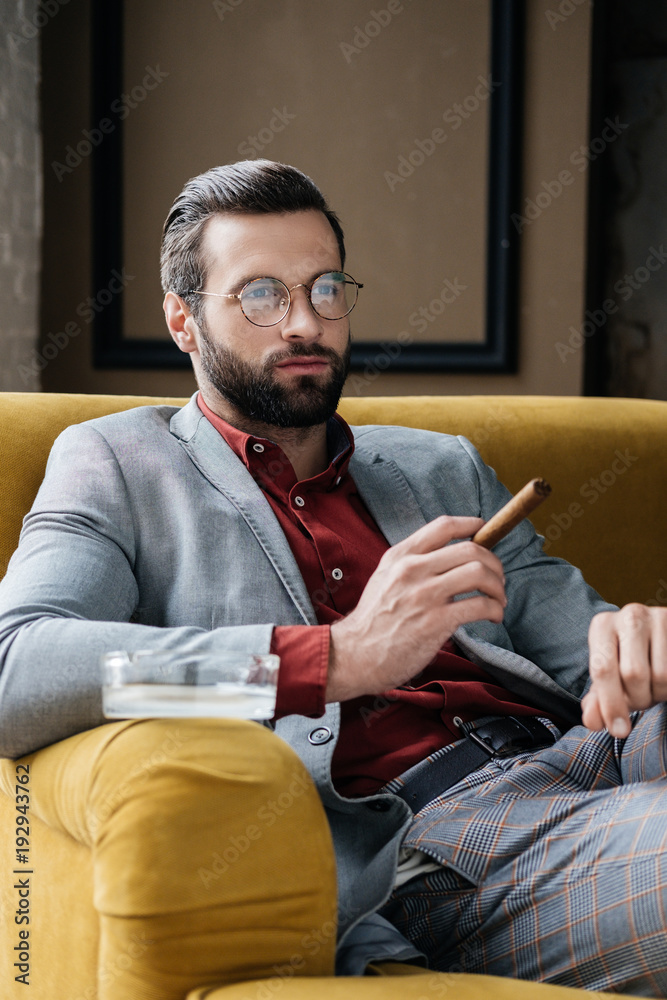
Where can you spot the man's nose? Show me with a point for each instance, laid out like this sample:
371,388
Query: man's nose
301,322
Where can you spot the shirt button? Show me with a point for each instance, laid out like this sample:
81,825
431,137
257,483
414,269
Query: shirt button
299,501
258,447
321,735
337,574
339,480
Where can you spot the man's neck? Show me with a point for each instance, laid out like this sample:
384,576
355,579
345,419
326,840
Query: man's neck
305,447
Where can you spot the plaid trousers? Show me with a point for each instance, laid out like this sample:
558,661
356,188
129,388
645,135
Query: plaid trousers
554,865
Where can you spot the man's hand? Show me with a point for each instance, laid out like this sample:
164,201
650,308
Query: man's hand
628,666
407,610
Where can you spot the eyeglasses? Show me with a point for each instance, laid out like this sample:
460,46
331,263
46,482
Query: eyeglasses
266,301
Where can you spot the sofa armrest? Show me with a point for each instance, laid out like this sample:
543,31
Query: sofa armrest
63,933
396,982
210,854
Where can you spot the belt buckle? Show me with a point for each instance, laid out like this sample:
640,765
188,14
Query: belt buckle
472,735
511,735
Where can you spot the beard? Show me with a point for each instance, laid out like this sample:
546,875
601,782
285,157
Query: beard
256,392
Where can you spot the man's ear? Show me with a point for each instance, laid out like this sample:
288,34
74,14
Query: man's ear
181,323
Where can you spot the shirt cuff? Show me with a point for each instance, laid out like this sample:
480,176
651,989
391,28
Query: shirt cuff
304,666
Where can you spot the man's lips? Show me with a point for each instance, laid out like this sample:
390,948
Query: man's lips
306,365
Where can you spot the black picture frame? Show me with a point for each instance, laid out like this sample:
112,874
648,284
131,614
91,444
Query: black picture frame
497,353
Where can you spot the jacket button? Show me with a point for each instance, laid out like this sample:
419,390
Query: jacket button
321,735
381,806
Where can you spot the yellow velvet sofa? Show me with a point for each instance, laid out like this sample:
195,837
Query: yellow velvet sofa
192,859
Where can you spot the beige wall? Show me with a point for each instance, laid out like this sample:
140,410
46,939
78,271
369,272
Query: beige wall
279,80
201,133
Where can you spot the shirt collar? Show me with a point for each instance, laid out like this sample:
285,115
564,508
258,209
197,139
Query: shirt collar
265,459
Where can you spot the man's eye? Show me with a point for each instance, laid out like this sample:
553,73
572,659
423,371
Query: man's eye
257,292
328,289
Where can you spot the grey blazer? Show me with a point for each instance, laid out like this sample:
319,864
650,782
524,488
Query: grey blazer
148,532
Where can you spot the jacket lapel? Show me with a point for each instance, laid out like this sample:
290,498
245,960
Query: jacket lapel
385,491
216,461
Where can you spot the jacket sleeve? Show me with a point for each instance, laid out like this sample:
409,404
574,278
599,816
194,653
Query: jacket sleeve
69,595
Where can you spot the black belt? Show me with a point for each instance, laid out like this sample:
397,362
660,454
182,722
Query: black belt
498,738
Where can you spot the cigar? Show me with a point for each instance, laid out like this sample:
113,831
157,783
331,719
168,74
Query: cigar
520,506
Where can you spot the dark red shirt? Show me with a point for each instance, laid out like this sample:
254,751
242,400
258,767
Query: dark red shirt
337,546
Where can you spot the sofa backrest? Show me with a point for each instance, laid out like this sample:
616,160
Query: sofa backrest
29,424
605,460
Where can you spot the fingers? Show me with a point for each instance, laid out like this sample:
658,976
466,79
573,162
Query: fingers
591,716
466,554
628,665
475,609
441,572
409,607
432,553
438,533
634,655
608,704
466,577
658,655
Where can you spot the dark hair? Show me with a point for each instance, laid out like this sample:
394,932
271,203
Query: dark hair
247,187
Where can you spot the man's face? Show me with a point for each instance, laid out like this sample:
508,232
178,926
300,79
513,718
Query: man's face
290,374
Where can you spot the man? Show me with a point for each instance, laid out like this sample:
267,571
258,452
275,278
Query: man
253,519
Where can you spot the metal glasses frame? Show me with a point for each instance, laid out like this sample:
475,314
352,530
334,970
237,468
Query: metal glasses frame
302,284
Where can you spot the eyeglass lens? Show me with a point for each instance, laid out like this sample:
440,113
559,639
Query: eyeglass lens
265,301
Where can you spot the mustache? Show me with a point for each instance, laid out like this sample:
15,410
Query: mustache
303,351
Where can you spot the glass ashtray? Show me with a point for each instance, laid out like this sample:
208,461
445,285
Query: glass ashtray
173,684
